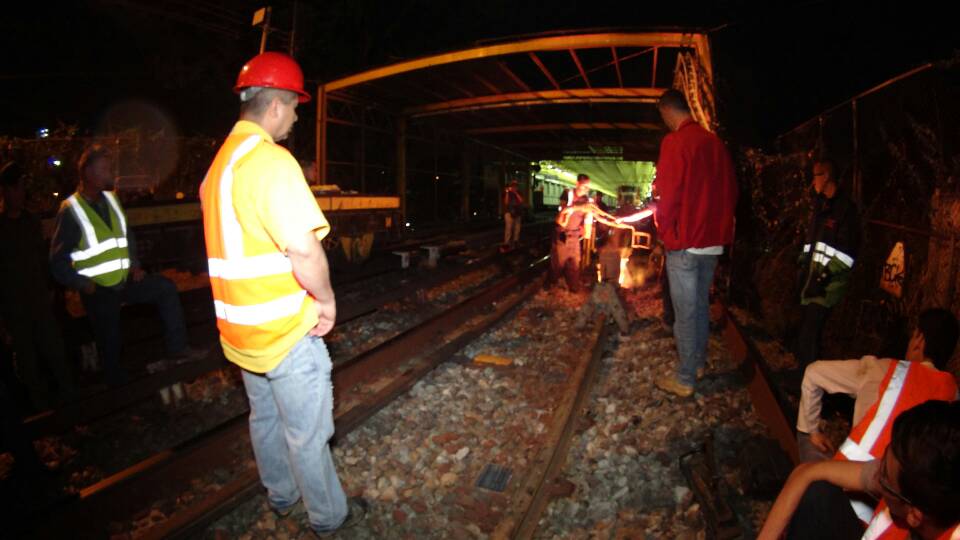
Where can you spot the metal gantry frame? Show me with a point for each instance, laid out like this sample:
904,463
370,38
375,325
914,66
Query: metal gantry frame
499,89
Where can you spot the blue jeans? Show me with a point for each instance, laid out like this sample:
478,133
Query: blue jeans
291,422
690,279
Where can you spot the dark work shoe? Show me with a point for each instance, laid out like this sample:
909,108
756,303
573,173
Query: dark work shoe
356,511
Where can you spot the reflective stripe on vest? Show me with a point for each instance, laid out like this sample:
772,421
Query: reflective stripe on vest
862,450
823,253
102,257
863,510
878,525
882,527
258,314
235,266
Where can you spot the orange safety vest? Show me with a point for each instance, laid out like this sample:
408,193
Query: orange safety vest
905,385
882,527
257,299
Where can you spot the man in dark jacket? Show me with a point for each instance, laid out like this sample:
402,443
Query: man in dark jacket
94,252
26,311
695,218
828,255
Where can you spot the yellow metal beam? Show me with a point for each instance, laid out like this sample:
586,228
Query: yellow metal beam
190,211
545,97
338,203
524,128
554,43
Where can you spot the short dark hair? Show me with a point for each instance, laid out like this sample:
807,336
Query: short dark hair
257,103
673,99
91,154
926,443
10,174
940,332
583,178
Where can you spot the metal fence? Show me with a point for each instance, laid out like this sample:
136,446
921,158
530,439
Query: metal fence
897,147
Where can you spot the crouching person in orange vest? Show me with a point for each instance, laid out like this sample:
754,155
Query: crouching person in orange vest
272,294
881,387
917,479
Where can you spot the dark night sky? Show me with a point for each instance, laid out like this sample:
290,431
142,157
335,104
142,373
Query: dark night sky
779,63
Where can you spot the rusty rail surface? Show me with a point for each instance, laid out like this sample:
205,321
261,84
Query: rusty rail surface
533,495
767,400
411,355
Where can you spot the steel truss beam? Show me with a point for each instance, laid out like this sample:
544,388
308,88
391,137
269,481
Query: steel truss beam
553,43
545,97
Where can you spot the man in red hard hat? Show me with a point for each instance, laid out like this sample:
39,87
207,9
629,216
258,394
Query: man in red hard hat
272,294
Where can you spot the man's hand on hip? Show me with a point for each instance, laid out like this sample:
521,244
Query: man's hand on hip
327,311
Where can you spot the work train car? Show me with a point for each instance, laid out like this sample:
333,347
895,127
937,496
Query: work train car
170,234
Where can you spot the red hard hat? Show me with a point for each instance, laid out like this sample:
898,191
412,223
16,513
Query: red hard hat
272,70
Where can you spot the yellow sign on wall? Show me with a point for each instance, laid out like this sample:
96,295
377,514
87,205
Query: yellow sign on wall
894,270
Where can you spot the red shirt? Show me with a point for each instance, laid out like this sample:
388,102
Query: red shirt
698,189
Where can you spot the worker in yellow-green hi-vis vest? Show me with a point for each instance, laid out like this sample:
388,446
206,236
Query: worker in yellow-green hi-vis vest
93,251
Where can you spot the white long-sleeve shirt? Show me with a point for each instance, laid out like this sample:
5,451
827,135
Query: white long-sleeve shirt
859,379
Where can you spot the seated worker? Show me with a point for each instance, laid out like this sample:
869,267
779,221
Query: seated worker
882,388
917,479
94,252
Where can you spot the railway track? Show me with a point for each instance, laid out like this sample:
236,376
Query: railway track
400,363
199,315
538,486
365,384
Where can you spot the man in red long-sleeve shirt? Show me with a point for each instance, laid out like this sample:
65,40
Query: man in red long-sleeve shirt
698,195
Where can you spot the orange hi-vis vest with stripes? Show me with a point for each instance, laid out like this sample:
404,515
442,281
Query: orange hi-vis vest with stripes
905,385
257,299
882,527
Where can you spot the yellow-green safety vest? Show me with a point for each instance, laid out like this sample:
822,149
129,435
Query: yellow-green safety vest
102,254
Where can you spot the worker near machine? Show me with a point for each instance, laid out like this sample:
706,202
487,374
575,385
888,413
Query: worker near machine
272,294
569,227
833,234
94,252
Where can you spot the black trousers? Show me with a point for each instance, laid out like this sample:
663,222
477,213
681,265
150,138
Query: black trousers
824,513
103,310
811,331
